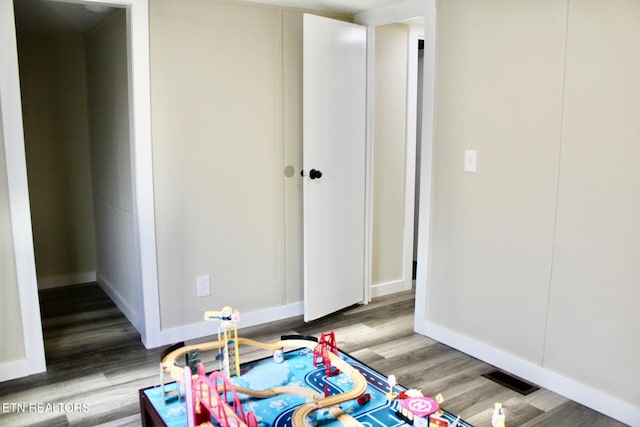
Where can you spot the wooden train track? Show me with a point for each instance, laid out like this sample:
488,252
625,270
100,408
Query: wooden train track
303,411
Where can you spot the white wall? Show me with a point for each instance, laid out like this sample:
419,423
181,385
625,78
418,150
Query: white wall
12,347
108,94
389,136
54,106
531,264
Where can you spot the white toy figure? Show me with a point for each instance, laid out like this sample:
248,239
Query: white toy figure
497,420
392,383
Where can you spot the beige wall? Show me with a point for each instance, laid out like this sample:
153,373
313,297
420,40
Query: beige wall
53,87
216,89
390,123
226,92
107,79
499,90
534,255
595,288
12,347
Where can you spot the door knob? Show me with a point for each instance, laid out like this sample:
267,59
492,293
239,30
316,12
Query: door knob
315,174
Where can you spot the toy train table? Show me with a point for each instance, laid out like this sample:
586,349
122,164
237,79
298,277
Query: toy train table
307,382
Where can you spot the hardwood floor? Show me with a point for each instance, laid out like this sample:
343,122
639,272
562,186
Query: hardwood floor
96,364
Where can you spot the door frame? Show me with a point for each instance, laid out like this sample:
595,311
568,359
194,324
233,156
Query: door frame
142,181
15,159
415,35
382,16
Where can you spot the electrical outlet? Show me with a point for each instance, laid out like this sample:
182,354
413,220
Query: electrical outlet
203,286
470,159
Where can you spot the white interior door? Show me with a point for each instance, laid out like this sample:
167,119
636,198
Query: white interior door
334,91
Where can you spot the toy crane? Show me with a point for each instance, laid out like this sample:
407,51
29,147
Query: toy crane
228,355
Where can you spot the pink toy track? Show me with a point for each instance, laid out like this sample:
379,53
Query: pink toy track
212,392
251,419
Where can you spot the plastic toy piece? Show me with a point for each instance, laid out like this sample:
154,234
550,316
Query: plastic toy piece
364,399
440,398
227,314
391,380
188,396
278,355
228,355
192,359
326,345
214,404
208,398
498,418
416,409
437,422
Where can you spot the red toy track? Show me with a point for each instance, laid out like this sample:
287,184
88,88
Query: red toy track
326,344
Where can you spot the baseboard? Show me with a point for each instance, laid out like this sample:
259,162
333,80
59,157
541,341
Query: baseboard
253,318
18,369
66,280
388,288
576,391
131,313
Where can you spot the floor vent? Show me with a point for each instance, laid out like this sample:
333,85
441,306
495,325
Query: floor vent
511,382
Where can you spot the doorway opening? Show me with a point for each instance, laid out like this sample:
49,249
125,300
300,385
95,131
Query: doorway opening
416,204
74,74
396,145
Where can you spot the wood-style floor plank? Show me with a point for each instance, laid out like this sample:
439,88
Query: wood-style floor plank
95,358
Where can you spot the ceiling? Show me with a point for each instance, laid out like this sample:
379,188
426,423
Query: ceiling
59,16
349,7
44,16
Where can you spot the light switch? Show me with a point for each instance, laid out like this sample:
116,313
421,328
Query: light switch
203,286
470,157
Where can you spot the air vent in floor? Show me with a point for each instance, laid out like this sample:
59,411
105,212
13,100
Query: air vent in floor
514,383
